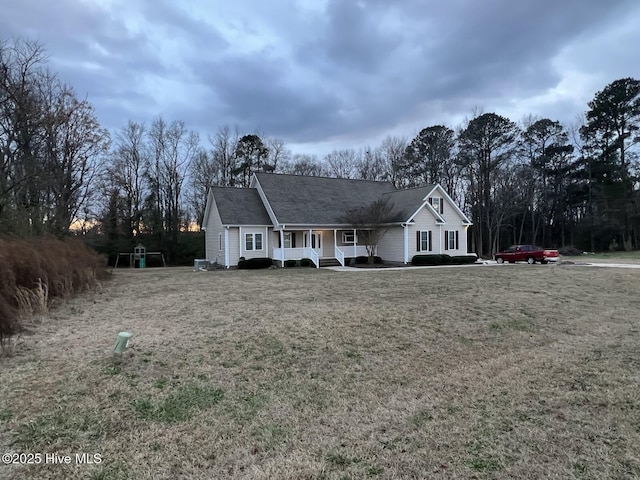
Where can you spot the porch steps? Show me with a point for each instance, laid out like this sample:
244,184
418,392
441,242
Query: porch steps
329,262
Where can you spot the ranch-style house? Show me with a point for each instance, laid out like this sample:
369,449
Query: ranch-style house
287,217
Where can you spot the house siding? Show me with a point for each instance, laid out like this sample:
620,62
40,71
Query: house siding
454,223
247,254
274,240
425,221
213,229
234,255
391,245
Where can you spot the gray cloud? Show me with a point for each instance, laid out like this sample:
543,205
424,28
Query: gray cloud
350,70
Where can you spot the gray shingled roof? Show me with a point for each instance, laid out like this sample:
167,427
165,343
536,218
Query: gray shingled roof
406,202
240,206
297,199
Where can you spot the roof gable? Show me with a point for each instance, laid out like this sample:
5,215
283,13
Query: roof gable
407,201
240,206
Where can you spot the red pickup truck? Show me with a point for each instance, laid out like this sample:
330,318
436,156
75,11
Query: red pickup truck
526,253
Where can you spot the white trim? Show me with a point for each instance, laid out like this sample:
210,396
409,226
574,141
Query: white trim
327,226
207,209
440,202
226,247
465,219
254,243
406,242
235,225
255,183
440,240
282,244
348,242
266,240
355,244
430,208
450,237
429,243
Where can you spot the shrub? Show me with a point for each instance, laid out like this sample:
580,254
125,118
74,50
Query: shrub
362,260
463,259
427,259
35,271
446,259
290,263
305,262
377,260
255,263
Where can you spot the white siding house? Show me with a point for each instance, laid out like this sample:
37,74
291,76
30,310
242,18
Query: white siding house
292,217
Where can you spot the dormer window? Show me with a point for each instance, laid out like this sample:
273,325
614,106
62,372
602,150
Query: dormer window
437,203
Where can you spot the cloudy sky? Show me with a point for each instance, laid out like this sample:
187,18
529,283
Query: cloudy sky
324,74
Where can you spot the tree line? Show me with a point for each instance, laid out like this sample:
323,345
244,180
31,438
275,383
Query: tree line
532,181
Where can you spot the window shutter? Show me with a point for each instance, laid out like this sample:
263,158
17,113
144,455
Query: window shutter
446,239
457,246
293,239
279,240
431,200
430,243
418,241
441,205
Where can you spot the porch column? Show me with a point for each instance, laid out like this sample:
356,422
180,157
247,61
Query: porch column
355,243
440,236
226,247
335,241
309,240
406,243
266,241
282,245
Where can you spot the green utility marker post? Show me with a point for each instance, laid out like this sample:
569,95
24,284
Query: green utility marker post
122,342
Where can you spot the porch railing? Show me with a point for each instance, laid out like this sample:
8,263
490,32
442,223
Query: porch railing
283,254
315,258
339,254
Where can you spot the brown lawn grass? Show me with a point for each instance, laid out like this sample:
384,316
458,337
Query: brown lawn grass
480,372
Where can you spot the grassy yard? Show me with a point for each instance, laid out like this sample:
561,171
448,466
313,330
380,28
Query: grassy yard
613,257
480,372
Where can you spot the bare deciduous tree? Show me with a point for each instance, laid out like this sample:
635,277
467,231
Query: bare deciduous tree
371,223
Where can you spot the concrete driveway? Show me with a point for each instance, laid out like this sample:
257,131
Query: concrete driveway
488,263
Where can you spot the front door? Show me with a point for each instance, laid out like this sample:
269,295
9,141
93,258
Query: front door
316,241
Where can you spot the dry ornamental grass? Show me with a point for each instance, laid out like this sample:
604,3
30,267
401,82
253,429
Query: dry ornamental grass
480,372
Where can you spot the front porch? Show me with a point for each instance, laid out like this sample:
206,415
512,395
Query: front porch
318,245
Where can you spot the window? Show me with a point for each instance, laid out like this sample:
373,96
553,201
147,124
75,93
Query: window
423,241
349,237
253,241
220,241
287,240
437,203
451,238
